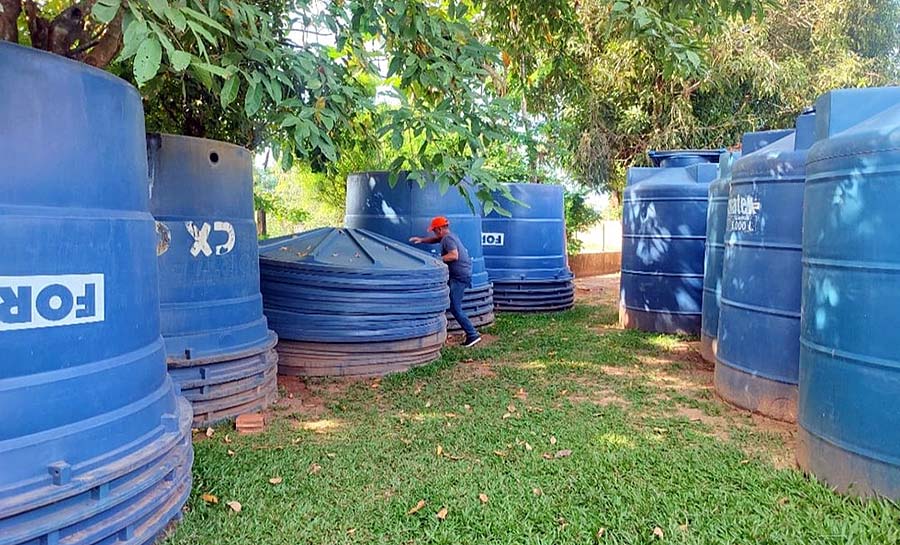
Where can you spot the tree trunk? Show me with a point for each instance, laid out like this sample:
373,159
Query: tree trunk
9,15
260,223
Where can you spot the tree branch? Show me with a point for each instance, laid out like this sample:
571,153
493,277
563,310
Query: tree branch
9,14
109,45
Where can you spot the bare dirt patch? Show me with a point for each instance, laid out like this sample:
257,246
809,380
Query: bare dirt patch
473,369
598,290
308,398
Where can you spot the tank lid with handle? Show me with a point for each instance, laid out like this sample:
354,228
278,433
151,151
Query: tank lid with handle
840,109
756,140
683,157
854,125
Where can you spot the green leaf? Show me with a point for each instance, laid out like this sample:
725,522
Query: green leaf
175,17
207,20
158,6
212,68
105,11
179,59
147,60
230,91
253,100
198,29
135,33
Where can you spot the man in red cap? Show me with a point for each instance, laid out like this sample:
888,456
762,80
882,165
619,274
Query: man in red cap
459,263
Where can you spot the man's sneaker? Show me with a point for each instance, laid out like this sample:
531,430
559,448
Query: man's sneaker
472,342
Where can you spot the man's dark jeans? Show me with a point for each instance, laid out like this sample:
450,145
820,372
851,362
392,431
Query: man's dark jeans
457,291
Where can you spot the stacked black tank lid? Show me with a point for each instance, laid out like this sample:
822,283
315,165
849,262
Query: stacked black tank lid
348,302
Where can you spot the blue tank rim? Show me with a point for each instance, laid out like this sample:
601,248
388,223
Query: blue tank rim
94,71
658,156
197,139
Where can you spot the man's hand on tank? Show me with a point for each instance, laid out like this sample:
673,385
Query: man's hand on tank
415,240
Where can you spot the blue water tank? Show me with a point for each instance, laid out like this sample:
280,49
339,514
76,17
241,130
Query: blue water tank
663,238
218,344
761,278
716,216
95,444
849,415
349,302
406,209
715,251
525,253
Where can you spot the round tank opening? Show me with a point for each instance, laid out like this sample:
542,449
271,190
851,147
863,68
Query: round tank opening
213,157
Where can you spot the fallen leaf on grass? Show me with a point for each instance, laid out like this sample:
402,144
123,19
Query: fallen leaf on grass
467,407
511,408
563,392
551,353
209,498
683,527
565,453
442,514
235,506
416,508
537,491
295,440
351,531
528,447
210,432
230,452
601,532
275,480
440,450
547,456
427,404
483,497
522,394
782,501
227,439
500,453
658,532
314,468
506,415
552,440
330,454
376,383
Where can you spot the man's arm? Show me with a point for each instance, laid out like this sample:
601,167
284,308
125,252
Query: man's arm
424,240
450,256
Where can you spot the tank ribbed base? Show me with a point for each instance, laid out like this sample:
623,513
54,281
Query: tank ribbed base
226,389
538,296
756,394
660,321
310,359
478,303
708,345
844,471
130,500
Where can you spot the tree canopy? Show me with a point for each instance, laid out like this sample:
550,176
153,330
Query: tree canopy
484,89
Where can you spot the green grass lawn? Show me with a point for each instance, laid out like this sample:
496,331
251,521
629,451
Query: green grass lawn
574,432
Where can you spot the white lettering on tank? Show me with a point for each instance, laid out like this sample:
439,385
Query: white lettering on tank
31,302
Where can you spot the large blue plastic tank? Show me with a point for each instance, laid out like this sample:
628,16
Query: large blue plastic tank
715,250
716,217
850,352
663,239
349,302
218,344
94,441
761,278
525,253
406,209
